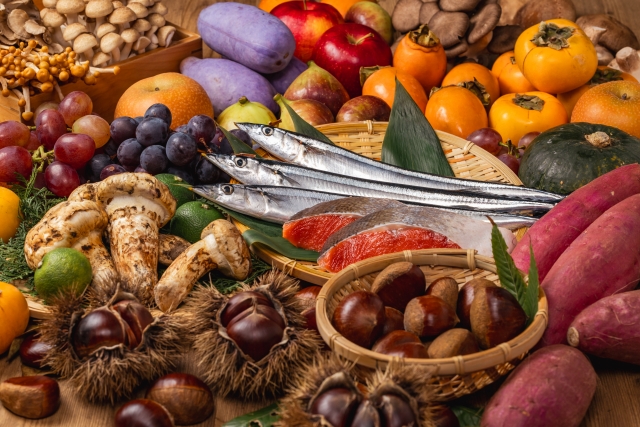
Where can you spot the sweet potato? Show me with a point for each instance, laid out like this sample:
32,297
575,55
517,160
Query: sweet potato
602,261
609,328
551,388
554,232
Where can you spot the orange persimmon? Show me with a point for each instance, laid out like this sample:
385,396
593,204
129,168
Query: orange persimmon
420,54
456,110
510,78
469,71
382,84
343,6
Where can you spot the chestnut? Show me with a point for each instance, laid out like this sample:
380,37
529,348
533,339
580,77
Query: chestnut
454,342
394,320
137,317
496,316
367,415
32,351
186,397
444,417
411,350
360,317
310,321
99,328
32,397
398,284
394,339
264,310
337,406
445,288
308,296
143,413
240,302
428,316
465,298
396,412
255,334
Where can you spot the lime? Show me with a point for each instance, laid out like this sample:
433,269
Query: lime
177,187
191,218
62,270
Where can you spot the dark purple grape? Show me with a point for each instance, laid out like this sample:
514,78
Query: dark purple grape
181,173
110,148
242,136
138,119
183,128
206,172
224,177
160,111
96,164
487,139
181,149
152,131
129,153
140,169
219,144
111,170
154,160
123,128
202,128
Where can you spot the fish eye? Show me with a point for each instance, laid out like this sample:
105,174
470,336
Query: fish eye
241,163
267,131
227,189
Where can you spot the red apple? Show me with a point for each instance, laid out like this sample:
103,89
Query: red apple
345,48
308,21
373,16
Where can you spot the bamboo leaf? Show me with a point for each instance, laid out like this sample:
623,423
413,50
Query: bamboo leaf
305,128
237,145
410,142
510,277
264,417
468,417
531,297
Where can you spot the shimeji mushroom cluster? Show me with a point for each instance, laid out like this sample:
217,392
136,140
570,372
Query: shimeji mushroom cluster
104,32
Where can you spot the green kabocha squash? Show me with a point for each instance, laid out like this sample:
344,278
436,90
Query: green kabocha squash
569,156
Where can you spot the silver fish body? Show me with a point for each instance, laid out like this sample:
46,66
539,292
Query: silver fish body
254,171
311,153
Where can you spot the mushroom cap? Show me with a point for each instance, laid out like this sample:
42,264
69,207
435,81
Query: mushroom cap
165,34
16,21
406,15
141,43
32,27
122,15
159,8
111,41
51,18
100,58
616,36
534,12
49,3
449,27
427,10
137,189
156,20
98,8
145,3
236,260
130,35
484,22
84,192
116,4
141,25
458,5
105,29
69,6
138,9
84,42
74,30
504,38
457,50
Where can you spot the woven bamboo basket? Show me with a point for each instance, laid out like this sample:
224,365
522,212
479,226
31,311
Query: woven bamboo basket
467,160
456,376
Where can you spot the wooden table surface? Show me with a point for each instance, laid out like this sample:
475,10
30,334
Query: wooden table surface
618,392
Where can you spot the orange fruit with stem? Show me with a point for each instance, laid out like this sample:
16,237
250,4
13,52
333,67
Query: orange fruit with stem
381,82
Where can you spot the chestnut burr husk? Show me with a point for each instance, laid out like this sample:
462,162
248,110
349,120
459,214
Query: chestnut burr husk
108,373
225,367
188,399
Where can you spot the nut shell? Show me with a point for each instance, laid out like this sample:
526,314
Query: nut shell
99,328
398,284
396,412
143,413
465,298
255,334
428,316
360,318
33,350
367,415
496,317
394,321
337,406
240,302
188,399
394,339
454,342
445,288
137,317
309,295
32,397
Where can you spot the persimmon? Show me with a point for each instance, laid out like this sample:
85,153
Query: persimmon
382,84
603,74
556,56
456,110
510,78
420,54
469,71
614,104
343,6
515,115
268,5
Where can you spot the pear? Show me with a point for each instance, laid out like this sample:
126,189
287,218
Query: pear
245,111
318,84
311,111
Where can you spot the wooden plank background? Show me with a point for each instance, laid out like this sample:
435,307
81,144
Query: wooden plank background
618,393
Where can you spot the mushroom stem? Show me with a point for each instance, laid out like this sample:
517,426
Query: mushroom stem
21,101
56,86
115,56
628,59
5,89
111,70
27,114
88,54
126,50
72,18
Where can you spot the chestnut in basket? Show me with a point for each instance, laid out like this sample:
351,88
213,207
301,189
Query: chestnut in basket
33,350
360,318
143,413
401,344
465,298
398,284
454,342
445,288
496,316
394,320
186,397
429,316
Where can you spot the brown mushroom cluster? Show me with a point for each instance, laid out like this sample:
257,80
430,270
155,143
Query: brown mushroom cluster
20,21
609,36
105,32
465,27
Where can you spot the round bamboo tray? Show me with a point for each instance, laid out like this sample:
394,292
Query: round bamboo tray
467,160
453,377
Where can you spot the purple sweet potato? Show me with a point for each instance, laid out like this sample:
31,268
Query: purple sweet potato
602,261
555,231
551,388
609,328
282,79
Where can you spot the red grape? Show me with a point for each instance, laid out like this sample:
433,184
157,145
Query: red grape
75,105
14,159
487,139
526,140
13,133
33,143
61,179
50,126
511,161
74,149
94,126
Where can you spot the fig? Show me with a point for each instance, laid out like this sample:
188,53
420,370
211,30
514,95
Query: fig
318,84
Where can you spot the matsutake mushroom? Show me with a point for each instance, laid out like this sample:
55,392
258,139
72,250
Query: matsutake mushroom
76,224
221,246
137,205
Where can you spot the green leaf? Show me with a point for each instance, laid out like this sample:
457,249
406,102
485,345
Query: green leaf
237,145
305,128
264,417
410,142
531,297
226,285
468,417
